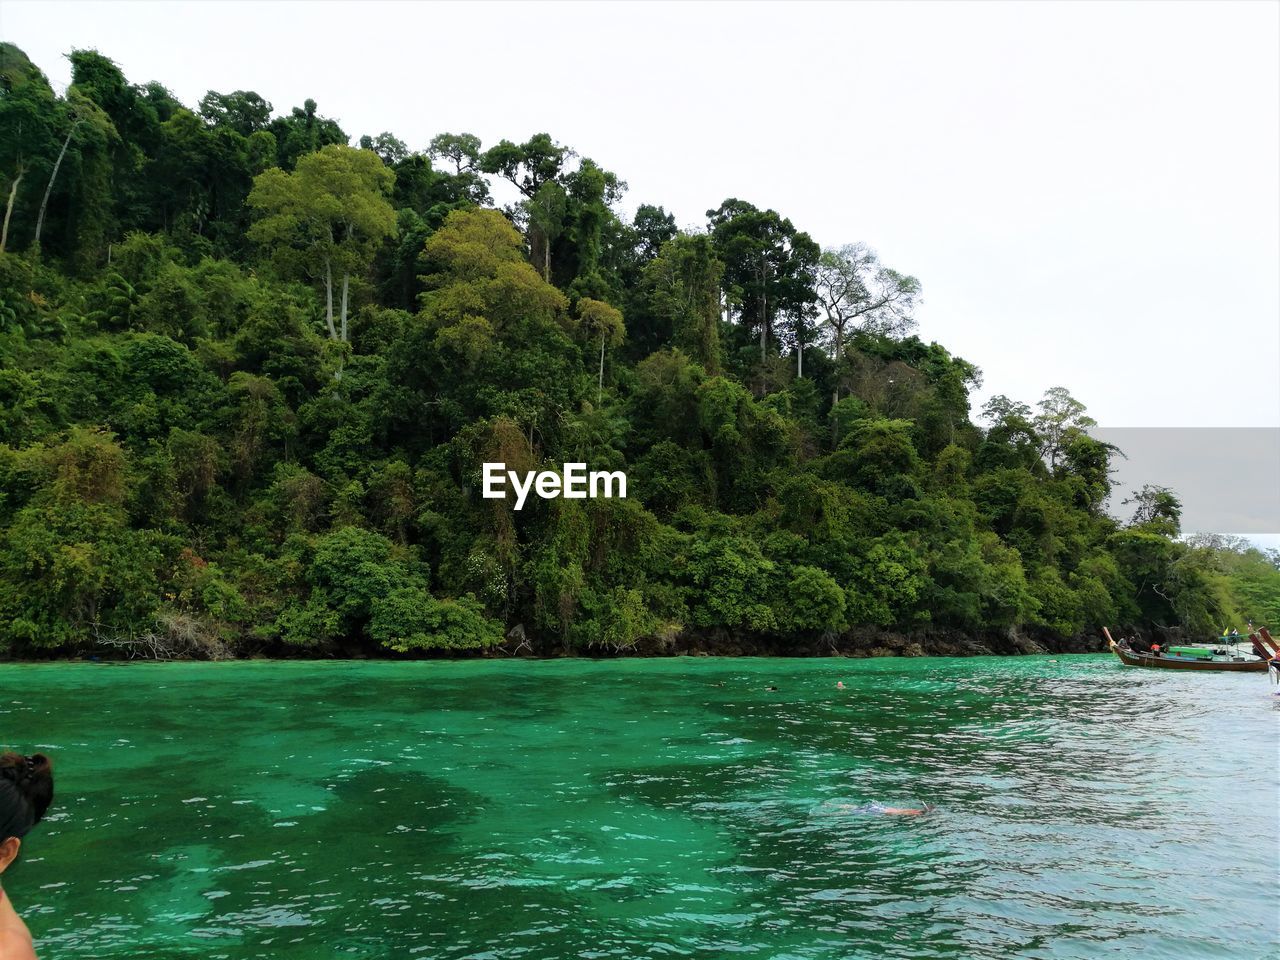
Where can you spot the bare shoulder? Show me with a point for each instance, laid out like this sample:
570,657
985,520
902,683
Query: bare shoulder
15,942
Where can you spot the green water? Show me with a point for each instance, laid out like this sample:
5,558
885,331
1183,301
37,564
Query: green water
660,808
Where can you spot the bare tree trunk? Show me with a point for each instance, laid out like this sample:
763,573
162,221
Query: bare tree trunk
8,210
546,259
764,325
328,299
835,395
342,330
52,177
600,383
799,359
346,278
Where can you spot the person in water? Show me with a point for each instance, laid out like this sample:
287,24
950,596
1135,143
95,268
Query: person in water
887,811
26,789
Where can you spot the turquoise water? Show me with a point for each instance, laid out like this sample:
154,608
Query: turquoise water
648,808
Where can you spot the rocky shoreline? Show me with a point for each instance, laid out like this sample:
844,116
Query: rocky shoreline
859,643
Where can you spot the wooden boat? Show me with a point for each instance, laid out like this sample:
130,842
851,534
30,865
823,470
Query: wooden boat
1265,651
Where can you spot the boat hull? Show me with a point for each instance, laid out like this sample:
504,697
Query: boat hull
1130,659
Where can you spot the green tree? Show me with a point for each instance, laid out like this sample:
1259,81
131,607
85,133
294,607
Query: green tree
600,320
1158,507
410,619
29,115
769,267
855,291
1061,418
681,287
325,219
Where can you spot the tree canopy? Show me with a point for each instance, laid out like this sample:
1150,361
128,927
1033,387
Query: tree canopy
249,373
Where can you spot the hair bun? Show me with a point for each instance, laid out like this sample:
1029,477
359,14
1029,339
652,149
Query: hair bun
23,804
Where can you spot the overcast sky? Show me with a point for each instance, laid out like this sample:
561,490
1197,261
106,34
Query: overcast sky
1089,193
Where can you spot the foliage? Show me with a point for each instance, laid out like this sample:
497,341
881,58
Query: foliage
199,451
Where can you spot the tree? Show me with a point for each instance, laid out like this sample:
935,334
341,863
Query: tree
28,113
1011,440
243,111
854,288
527,166
409,619
812,602
390,148
1061,417
243,496
546,212
591,192
325,218
681,287
601,320
80,112
460,149
493,337
1156,505
302,132
651,228
769,267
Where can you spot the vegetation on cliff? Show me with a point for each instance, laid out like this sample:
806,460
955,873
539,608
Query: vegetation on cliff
249,373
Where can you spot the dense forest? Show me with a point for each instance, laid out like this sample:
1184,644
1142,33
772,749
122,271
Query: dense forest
250,367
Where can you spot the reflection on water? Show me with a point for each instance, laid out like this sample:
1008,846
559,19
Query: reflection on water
648,808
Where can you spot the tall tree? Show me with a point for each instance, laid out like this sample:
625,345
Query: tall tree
28,114
82,118
592,191
325,219
769,268
460,149
546,212
243,111
304,131
387,146
532,167
854,288
682,290
526,165
602,321
1061,417
650,229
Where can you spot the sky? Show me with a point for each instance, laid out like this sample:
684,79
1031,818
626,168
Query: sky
1088,192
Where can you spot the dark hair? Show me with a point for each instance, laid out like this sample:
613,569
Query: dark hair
26,789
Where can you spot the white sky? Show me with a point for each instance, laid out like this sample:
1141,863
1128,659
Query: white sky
1090,193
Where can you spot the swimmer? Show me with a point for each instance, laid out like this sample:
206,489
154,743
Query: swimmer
26,787
771,688
886,811
839,684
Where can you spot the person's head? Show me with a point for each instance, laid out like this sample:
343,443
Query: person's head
26,789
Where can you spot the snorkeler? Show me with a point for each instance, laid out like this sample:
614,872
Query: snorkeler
887,811
26,788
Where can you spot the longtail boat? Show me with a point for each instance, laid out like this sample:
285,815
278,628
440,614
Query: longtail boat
1222,655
